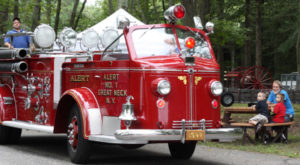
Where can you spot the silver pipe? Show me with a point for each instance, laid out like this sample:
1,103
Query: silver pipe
19,67
13,54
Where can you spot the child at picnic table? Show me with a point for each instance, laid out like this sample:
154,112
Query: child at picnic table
262,108
279,109
278,116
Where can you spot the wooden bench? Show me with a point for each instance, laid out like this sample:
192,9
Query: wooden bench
281,129
244,110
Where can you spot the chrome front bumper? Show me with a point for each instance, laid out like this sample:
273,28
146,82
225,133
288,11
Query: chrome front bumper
169,134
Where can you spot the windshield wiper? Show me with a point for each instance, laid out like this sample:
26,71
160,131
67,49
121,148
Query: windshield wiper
112,43
196,34
150,28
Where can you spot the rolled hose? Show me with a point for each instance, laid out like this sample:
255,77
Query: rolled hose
19,67
13,54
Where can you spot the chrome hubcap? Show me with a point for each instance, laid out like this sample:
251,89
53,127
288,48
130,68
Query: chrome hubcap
72,133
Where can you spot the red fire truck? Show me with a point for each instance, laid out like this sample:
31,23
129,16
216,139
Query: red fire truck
155,83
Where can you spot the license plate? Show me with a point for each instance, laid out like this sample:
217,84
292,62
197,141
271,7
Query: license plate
194,135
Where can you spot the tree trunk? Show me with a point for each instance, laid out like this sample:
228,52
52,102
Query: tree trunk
171,3
36,14
16,8
142,12
220,53
298,49
73,15
190,12
155,11
111,8
232,56
79,15
57,16
49,9
4,5
258,54
204,9
246,59
131,4
123,4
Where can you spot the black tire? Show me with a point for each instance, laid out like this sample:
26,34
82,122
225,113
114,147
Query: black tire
79,148
182,151
227,99
15,134
9,135
4,134
132,146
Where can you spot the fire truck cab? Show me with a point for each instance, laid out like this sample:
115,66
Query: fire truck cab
150,84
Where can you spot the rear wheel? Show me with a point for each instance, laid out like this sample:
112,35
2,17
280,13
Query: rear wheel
78,147
15,134
182,151
9,135
4,134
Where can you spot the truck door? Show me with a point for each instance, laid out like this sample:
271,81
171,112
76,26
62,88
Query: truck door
114,86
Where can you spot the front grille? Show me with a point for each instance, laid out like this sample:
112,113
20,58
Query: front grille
192,124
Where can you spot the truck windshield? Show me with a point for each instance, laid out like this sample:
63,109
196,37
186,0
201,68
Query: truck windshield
154,42
201,48
161,42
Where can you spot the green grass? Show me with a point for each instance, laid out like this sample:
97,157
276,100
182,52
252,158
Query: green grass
291,149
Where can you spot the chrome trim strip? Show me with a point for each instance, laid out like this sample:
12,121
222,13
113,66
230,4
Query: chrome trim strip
223,130
166,70
86,70
114,140
149,134
168,134
209,71
30,126
171,70
191,95
8,100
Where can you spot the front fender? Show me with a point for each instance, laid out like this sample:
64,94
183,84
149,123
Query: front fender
88,106
7,104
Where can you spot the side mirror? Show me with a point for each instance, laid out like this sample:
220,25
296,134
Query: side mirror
209,26
122,22
197,22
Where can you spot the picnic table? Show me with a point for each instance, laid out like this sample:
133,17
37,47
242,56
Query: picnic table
282,128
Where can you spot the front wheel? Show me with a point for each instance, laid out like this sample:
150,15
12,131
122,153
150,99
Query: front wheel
78,147
182,151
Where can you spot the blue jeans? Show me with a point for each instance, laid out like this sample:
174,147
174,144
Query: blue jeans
288,117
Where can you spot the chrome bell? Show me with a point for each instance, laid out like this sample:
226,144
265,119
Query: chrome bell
127,111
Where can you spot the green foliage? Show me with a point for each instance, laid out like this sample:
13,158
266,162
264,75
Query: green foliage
280,24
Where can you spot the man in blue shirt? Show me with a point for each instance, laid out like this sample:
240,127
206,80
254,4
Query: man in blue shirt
277,88
17,42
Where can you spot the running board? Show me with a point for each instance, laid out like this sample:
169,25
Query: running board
28,125
114,140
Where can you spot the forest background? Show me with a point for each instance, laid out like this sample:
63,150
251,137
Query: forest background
247,32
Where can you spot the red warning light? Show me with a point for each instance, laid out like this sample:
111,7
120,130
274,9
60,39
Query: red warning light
190,42
179,11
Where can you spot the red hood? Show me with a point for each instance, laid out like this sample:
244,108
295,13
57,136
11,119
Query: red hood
174,62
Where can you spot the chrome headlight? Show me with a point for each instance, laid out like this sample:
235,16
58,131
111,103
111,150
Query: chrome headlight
44,36
163,87
108,36
90,38
68,37
216,88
